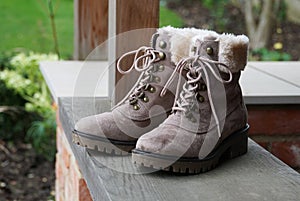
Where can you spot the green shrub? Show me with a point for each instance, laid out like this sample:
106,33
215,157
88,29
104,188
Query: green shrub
21,77
14,122
264,54
42,136
217,12
11,107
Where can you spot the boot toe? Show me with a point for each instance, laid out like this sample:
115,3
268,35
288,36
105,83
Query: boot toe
94,125
102,125
171,141
151,142
159,140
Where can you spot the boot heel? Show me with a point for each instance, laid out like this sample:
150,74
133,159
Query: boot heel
239,146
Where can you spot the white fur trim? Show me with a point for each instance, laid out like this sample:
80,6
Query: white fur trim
180,40
233,50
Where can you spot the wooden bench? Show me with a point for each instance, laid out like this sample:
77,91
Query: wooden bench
258,175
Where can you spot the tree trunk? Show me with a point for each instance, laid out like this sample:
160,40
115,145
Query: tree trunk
259,31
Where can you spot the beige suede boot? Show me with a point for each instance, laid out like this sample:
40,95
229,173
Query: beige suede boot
149,101
209,119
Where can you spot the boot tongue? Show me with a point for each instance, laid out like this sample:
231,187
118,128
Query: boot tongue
207,47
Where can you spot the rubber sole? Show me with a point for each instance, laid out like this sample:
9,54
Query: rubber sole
235,145
102,144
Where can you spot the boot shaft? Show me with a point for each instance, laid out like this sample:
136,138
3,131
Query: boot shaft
216,96
209,118
232,52
169,46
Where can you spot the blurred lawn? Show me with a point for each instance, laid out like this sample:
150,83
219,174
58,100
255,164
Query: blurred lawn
168,17
26,24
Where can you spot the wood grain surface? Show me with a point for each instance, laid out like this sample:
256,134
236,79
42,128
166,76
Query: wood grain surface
90,28
258,175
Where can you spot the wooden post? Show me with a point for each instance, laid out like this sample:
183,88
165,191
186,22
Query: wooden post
90,28
130,15
95,20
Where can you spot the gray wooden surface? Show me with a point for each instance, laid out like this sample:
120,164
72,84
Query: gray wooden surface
258,175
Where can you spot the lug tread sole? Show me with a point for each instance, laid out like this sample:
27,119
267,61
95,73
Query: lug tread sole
102,146
232,147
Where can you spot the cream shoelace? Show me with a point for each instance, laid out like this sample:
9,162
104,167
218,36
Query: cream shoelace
146,56
194,65
187,96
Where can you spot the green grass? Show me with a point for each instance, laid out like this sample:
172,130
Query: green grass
168,17
26,24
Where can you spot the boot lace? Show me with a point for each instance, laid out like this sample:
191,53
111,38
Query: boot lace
146,56
187,97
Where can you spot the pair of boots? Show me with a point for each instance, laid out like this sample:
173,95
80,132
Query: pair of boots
186,112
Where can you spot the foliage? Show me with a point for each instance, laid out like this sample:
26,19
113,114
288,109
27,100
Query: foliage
11,106
42,136
10,97
264,54
14,122
5,58
26,80
168,17
23,78
282,12
217,11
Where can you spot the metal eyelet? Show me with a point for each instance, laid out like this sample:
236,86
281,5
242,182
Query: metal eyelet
154,78
161,68
152,89
209,50
161,55
162,44
149,88
136,107
201,99
145,99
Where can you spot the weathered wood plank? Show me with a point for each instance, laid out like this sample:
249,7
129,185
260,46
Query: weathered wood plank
258,175
90,28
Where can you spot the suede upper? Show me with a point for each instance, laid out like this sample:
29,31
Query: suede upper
134,117
217,109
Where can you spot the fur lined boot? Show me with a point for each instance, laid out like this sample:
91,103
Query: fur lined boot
149,102
209,119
